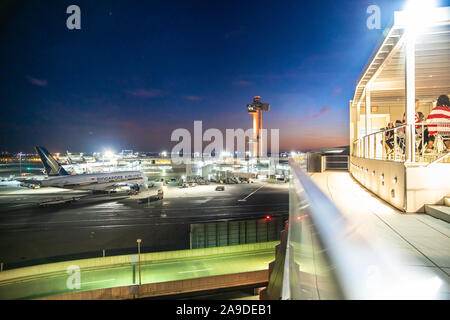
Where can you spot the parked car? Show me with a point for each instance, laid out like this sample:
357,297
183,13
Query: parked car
220,188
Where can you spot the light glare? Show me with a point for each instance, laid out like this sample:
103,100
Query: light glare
419,14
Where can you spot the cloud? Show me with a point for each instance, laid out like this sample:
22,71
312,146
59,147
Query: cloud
146,93
322,111
242,83
193,98
336,91
37,82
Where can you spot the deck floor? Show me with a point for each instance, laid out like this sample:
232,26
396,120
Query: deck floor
422,239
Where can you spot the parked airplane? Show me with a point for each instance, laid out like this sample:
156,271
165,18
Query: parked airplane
58,177
74,159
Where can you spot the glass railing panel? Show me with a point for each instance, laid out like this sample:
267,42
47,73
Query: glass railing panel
328,257
311,274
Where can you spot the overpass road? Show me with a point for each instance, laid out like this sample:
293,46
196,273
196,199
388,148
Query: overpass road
151,272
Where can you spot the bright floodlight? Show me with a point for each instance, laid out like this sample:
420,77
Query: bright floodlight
419,14
108,154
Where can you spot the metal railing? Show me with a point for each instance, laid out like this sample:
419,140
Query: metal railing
328,258
390,143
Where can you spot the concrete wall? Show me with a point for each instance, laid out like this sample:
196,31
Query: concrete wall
378,176
315,162
170,287
416,184
427,185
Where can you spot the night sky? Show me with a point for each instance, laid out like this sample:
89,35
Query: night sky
137,70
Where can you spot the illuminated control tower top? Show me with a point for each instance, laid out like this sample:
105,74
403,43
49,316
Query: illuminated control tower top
256,108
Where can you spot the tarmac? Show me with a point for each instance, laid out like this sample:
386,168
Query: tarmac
31,234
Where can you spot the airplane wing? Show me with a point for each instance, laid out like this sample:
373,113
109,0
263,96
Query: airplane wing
30,183
123,184
41,199
58,200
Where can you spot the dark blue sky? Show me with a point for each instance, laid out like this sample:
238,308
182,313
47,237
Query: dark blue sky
137,70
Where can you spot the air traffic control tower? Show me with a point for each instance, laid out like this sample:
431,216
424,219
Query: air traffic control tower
256,108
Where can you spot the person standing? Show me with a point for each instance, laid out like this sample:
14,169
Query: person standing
438,121
416,116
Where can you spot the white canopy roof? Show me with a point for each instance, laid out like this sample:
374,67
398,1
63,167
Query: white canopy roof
385,70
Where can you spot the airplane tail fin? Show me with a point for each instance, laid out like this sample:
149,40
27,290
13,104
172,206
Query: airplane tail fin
69,160
52,167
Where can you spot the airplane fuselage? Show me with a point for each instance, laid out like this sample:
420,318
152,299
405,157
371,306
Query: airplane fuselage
95,181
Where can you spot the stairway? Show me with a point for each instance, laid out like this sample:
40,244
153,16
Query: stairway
439,211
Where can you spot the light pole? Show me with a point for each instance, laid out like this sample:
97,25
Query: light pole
139,258
20,162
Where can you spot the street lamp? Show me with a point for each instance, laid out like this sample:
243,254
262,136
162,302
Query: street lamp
20,162
139,258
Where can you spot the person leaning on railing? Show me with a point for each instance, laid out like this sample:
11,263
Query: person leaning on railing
420,130
389,137
400,135
416,115
438,122
416,120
